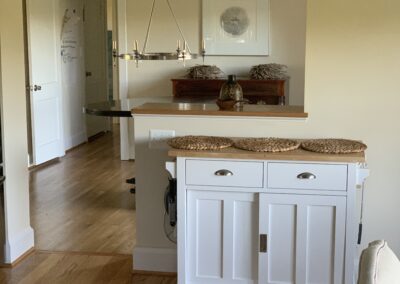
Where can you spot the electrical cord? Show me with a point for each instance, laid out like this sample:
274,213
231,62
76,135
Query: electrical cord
360,225
170,235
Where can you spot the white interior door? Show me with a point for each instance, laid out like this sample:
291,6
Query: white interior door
45,83
95,25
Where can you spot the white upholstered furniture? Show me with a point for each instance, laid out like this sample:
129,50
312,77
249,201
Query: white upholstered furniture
379,265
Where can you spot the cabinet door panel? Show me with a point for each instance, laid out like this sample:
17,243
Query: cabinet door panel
245,239
305,238
320,244
222,237
208,247
282,243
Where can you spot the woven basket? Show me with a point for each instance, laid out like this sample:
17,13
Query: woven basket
333,146
200,142
267,144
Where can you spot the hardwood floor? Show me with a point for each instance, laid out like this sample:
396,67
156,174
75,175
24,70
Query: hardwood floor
82,203
78,268
84,220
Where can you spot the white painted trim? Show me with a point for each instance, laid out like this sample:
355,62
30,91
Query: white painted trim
16,247
155,259
74,140
123,77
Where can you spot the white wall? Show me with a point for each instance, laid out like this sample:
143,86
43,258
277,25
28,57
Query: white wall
351,91
288,22
73,76
19,234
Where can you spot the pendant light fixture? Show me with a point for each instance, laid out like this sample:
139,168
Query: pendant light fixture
182,52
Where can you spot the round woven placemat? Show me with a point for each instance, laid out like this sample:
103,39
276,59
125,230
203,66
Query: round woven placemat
333,146
200,142
267,144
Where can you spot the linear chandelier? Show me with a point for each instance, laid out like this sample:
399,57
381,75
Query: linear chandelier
182,52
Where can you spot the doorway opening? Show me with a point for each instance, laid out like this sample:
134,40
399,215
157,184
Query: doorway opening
80,201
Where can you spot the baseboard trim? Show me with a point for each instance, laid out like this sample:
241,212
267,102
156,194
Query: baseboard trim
154,259
154,273
19,246
96,136
19,259
45,164
74,141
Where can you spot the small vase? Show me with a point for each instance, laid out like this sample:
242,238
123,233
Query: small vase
231,90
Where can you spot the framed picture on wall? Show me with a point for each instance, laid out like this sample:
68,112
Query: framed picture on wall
236,27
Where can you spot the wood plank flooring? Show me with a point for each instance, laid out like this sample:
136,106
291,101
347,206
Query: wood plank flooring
78,268
84,220
82,203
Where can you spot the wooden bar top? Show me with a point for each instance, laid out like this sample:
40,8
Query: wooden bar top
295,155
212,110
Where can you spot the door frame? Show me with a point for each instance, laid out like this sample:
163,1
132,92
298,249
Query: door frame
122,66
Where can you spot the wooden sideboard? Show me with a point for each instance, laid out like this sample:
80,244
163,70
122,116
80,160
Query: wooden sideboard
271,92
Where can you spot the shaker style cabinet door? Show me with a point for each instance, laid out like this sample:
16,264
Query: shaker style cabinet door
222,237
302,238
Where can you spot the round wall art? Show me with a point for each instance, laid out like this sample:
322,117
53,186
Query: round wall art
235,21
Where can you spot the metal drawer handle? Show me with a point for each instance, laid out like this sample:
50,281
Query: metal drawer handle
306,176
223,173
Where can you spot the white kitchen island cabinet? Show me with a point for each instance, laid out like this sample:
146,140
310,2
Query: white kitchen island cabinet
266,219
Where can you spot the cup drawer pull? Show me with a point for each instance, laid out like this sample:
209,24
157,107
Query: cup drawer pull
306,176
223,173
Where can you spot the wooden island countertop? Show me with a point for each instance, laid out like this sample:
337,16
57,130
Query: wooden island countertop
295,155
212,110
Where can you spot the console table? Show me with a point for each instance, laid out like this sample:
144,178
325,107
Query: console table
271,92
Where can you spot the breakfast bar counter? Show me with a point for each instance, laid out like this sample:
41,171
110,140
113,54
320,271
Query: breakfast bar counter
249,110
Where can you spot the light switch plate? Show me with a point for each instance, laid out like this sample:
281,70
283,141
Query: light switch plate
158,138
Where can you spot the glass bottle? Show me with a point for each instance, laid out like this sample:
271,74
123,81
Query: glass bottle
231,90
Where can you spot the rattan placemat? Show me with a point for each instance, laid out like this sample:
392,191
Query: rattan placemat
200,142
267,144
333,146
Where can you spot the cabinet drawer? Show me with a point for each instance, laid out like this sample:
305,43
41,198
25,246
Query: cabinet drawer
224,173
307,176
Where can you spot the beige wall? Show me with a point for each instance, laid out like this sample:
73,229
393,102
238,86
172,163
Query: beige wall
13,118
287,37
352,91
